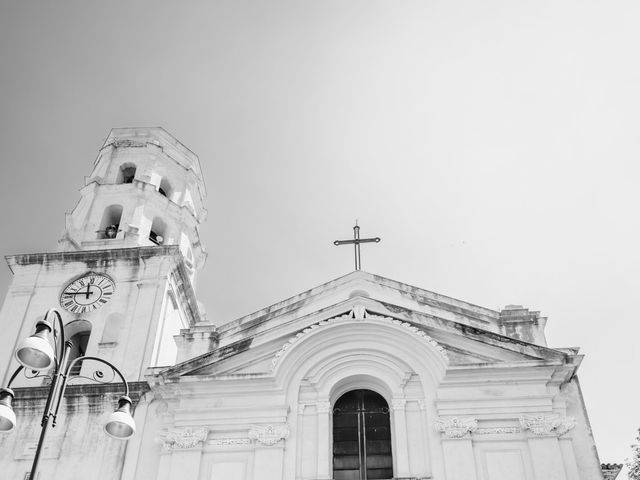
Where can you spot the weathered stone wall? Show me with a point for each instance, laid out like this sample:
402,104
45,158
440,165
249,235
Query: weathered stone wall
77,448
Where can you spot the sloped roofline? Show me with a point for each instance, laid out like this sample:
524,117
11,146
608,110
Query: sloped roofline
425,296
536,353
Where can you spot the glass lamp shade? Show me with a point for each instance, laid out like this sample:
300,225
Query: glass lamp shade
35,352
7,415
121,424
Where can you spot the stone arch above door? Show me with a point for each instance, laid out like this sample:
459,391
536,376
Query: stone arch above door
358,333
348,353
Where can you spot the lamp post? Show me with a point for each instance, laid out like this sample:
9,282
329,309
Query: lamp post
36,353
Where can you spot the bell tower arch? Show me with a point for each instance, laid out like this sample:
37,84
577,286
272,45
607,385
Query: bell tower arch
146,189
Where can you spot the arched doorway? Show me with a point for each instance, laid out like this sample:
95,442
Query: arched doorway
361,437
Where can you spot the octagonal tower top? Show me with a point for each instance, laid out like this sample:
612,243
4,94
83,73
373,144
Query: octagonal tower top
142,136
146,189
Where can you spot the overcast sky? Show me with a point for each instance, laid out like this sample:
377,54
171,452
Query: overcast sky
492,144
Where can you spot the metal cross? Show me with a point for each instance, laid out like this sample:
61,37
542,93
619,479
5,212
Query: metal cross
356,243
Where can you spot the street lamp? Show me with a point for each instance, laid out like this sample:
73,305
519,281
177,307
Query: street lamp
36,353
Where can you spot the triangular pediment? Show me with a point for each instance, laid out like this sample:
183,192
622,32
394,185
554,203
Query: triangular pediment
469,334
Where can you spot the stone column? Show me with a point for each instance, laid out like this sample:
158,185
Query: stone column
307,449
324,440
185,445
401,452
164,464
546,455
546,458
459,461
269,450
419,453
566,447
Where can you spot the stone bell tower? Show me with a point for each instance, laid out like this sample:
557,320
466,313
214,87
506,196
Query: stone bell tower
146,189
123,276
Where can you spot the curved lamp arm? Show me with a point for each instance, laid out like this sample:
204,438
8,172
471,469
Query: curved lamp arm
15,374
99,360
65,378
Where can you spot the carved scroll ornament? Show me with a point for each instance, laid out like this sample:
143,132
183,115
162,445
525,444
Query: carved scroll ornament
455,427
269,434
184,438
547,424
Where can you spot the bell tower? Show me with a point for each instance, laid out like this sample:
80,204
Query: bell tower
146,189
123,276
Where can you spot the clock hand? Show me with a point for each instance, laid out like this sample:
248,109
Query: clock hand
86,294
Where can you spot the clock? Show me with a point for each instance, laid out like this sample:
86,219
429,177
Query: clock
87,293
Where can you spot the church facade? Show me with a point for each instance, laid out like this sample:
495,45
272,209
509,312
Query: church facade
360,378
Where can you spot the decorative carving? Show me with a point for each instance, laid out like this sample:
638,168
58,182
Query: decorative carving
547,424
497,430
323,407
228,442
455,427
184,438
398,403
568,423
125,142
270,434
358,313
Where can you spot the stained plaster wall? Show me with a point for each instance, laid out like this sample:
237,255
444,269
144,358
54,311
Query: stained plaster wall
77,448
222,420
141,279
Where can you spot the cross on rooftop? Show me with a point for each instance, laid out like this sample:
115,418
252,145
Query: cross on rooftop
356,243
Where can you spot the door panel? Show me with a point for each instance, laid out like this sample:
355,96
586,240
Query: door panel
361,437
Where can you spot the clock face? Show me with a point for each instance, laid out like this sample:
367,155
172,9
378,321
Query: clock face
87,293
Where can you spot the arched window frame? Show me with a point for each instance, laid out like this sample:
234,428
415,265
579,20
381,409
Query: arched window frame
110,223
126,173
373,419
339,355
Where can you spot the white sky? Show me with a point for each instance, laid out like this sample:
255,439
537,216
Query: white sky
492,144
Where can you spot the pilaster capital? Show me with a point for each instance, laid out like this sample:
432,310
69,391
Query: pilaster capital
398,403
455,427
184,438
547,425
269,435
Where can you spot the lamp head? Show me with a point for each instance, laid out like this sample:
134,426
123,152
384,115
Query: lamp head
7,415
121,424
35,352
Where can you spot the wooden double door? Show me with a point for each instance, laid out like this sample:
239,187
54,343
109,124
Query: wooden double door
361,437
